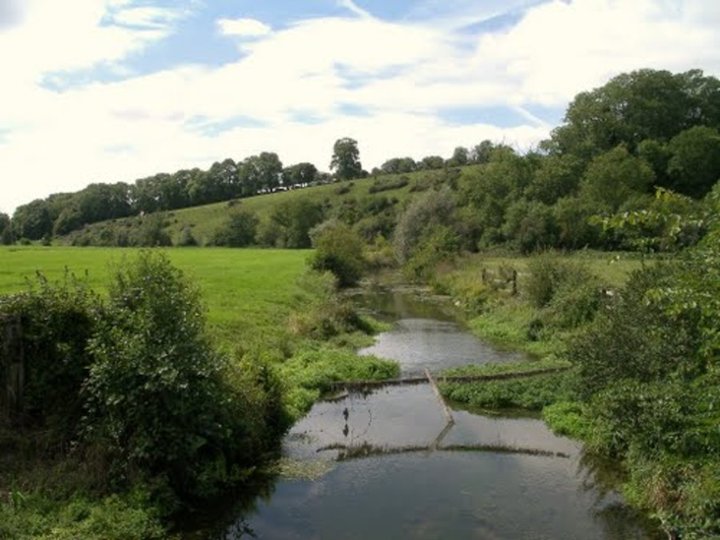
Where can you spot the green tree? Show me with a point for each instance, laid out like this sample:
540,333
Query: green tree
432,162
299,174
557,176
338,249
4,228
632,107
424,214
460,156
398,165
614,177
695,163
291,221
346,159
32,220
238,231
530,226
151,232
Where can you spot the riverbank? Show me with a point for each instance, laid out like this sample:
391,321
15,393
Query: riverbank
640,389
366,456
275,341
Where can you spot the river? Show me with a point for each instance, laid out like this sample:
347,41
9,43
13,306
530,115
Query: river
387,464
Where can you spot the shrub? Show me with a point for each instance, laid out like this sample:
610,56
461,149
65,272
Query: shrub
238,231
338,249
55,322
386,184
634,339
548,274
157,398
186,238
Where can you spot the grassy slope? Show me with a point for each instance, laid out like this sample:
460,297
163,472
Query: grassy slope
247,291
204,220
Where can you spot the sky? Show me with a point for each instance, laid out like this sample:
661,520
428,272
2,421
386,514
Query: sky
115,90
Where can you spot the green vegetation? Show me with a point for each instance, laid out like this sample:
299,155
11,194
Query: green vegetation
338,249
643,385
127,393
628,183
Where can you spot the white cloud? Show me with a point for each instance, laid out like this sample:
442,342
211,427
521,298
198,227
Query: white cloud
243,27
147,17
354,8
401,73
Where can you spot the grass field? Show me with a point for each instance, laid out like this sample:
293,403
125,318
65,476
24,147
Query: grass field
247,291
613,268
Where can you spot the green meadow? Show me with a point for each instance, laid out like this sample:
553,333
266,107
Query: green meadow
247,292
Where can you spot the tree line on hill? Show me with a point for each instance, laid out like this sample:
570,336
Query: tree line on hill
646,141
61,213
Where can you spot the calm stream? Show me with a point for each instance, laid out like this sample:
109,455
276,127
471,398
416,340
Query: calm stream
387,464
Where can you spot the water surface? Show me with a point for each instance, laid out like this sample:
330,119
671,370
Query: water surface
397,469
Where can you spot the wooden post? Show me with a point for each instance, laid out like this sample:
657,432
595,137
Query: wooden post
514,282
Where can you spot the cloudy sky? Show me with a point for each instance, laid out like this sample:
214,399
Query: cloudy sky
111,90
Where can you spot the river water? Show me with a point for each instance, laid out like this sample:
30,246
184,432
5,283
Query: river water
387,464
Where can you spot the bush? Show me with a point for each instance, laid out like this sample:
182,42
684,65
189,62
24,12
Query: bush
386,184
186,238
338,249
635,339
239,230
325,314
55,322
548,274
157,398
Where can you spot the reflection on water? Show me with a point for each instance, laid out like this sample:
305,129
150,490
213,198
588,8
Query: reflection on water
405,486
398,469
426,343
424,335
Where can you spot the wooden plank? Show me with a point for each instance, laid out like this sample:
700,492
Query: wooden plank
452,378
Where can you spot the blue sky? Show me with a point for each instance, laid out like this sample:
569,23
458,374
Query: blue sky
114,90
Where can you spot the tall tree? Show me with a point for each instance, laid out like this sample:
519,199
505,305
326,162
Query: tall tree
632,107
32,220
346,159
460,157
5,232
615,177
299,174
695,163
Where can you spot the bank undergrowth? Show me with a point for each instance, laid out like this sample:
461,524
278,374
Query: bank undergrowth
131,413
642,387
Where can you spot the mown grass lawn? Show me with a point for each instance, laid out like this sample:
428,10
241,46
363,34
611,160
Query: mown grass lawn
249,293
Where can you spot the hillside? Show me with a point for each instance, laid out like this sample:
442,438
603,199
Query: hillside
374,195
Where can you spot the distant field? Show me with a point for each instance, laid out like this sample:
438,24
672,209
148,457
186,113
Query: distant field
247,291
613,268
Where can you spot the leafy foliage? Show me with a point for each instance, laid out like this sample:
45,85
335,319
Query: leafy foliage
239,230
55,322
346,159
338,249
156,399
